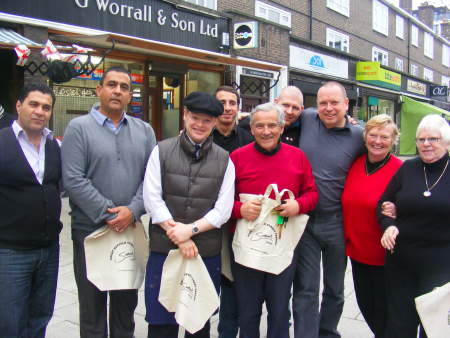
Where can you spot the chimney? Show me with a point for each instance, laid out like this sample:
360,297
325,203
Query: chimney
406,5
425,14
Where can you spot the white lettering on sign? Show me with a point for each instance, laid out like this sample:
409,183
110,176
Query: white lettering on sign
144,13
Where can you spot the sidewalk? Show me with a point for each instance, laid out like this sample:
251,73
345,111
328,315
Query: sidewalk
65,321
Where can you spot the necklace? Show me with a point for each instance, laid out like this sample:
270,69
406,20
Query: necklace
378,167
427,193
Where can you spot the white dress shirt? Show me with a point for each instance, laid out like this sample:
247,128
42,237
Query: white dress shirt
35,157
157,208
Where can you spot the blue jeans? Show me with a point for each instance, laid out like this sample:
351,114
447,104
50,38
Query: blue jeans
228,313
322,239
27,290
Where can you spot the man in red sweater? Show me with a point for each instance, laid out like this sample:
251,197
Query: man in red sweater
258,164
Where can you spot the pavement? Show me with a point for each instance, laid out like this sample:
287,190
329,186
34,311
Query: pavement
65,321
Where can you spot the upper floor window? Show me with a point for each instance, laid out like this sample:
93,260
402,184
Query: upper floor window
399,26
445,55
380,17
428,45
428,74
380,56
340,6
445,81
399,64
337,40
414,36
414,70
272,13
205,3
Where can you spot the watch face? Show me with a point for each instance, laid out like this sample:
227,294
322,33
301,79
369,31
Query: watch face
194,228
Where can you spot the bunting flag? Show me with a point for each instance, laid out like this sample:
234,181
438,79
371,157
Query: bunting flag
23,53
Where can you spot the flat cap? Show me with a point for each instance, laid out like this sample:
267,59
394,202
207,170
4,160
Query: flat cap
200,102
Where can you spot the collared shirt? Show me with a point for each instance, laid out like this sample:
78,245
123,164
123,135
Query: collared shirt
156,206
103,120
35,157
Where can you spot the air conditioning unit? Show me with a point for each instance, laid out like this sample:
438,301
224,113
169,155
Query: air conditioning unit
245,35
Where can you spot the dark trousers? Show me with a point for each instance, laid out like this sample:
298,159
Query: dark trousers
370,290
253,288
404,282
228,313
322,239
93,302
27,290
171,331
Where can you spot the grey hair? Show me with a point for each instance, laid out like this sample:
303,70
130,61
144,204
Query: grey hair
268,107
435,123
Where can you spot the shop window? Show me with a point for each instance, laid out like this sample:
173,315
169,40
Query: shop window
254,91
446,55
340,6
204,3
204,81
414,36
399,26
445,81
399,64
428,74
380,18
272,13
380,56
337,40
414,70
428,45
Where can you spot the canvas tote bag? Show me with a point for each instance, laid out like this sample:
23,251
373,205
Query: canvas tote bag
264,244
117,261
187,290
434,312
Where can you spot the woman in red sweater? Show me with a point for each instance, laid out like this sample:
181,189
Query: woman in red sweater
257,165
365,183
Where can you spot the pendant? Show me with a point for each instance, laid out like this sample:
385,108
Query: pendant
427,193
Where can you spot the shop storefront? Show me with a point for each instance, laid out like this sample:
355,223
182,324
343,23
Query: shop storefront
170,50
379,90
309,69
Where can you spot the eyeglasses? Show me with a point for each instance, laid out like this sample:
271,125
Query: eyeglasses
431,140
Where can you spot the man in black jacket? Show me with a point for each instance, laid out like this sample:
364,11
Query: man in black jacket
30,172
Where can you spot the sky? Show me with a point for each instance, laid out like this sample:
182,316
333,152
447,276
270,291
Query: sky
431,2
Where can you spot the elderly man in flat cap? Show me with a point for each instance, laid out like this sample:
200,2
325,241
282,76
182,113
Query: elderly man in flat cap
189,192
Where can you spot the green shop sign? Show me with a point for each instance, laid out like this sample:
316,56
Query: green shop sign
372,73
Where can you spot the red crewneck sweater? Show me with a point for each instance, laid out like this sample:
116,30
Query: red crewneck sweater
288,168
359,201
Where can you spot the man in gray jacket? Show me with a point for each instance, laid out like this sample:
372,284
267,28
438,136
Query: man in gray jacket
104,155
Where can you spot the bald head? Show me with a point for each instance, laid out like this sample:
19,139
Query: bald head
291,98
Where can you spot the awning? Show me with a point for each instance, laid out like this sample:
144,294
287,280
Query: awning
144,46
411,113
9,38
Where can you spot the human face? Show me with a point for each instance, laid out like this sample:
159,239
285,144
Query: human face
430,152
292,107
230,107
379,141
266,129
115,93
332,106
198,125
34,112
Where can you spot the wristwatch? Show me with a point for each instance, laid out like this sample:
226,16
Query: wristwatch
195,228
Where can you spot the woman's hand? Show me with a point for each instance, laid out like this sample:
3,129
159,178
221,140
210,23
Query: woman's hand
188,249
388,209
389,236
250,210
288,208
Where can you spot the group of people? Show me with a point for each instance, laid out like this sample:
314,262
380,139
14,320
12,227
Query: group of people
362,202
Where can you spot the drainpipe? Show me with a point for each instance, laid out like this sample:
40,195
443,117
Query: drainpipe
310,19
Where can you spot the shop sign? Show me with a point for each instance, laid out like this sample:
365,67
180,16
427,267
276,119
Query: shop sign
372,73
416,87
305,59
439,92
259,73
149,19
245,35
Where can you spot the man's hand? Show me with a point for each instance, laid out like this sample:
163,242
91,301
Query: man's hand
188,249
389,236
124,218
352,120
179,233
288,208
388,209
250,210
